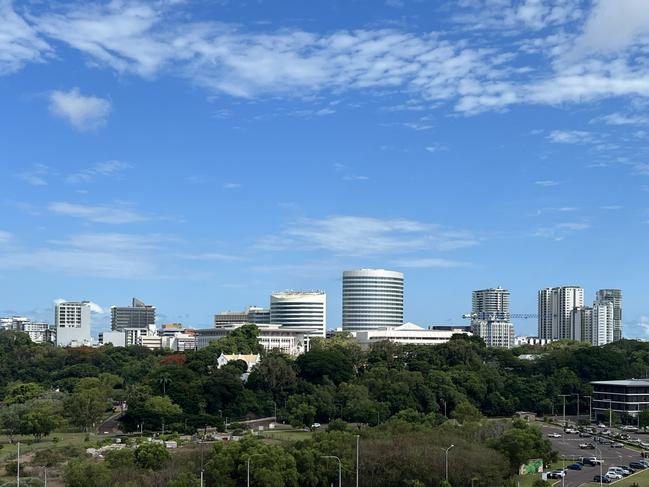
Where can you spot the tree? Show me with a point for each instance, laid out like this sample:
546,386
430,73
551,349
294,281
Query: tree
83,473
466,412
644,418
40,418
522,443
86,406
151,456
185,480
162,409
21,392
11,420
124,458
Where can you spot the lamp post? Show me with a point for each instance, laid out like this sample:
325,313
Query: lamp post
446,450
610,411
340,468
18,465
564,407
601,466
358,445
577,394
444,401
590,408
248,470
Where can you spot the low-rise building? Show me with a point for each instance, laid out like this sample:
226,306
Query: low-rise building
408,333
289,340
620,396
251,360
38,331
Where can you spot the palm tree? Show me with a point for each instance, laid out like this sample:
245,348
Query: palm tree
164,379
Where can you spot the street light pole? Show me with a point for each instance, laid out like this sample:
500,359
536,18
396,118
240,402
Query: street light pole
358,444
18,466
590,408
446,450
610,412
601,465
340,468
564,407
577,394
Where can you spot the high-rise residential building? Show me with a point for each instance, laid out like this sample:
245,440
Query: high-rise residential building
304,310
138,315
603,322
38,331
491,304
254,315
614,296
490,317
582,324
496,334
372,299
72,322
555,311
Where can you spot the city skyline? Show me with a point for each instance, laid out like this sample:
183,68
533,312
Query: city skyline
203,165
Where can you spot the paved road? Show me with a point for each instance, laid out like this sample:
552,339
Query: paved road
568,448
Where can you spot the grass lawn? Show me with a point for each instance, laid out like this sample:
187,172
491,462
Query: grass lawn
286,436
527,480
641,478
8,451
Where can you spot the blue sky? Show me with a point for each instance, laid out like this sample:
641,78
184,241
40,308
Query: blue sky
199,155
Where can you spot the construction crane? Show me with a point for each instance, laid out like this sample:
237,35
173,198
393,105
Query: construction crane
497,316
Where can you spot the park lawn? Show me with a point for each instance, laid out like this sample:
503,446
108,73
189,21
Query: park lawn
640,478
8,451
286,436
527,480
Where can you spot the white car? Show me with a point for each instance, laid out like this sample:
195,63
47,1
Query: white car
315,425
554,435
612,475
571,431
601,425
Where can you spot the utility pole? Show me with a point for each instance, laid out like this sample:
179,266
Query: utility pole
340,468
564,407
358,444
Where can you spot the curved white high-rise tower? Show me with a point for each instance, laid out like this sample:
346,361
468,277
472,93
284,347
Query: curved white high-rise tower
306,310
372,298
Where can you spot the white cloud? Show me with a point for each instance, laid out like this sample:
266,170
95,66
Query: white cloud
5,236
82,112
89,174
232,185
98,214
355,177
430,262
19,42
547,183
36,176
358,236
614,25
570,137
622,119
212,256
436,147
561,230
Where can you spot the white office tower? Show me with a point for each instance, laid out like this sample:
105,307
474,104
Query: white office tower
72,321
490,317
555,311
582,324
372,299
603,322
304,310
615,297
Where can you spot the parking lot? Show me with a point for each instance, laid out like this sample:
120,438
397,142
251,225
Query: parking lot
568,448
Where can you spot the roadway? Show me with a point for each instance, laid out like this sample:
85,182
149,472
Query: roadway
568,448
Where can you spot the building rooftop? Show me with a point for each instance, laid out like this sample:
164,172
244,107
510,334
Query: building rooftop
627,382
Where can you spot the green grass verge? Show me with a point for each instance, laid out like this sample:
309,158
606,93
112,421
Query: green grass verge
286,436
641,478
8,451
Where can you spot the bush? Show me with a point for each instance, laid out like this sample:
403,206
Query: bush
152,456
11,468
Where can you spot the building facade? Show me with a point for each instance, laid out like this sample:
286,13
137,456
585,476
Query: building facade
38,331
303,310
72,321
620,396
408,333
582,324
289,340
254,315
138,315
496,334
372,299
614,296
603,323
555,306
491,304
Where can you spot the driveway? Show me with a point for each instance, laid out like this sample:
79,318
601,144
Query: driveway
568,448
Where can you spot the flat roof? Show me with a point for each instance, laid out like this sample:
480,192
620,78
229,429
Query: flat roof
627,382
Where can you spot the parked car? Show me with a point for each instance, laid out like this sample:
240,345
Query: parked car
557,474
554,435
571,431
594,460
584,434
638,465
586,446
315,425
644,462
617,445
629,428
619,470
613,475
624,468
603,479
601,425
574,466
